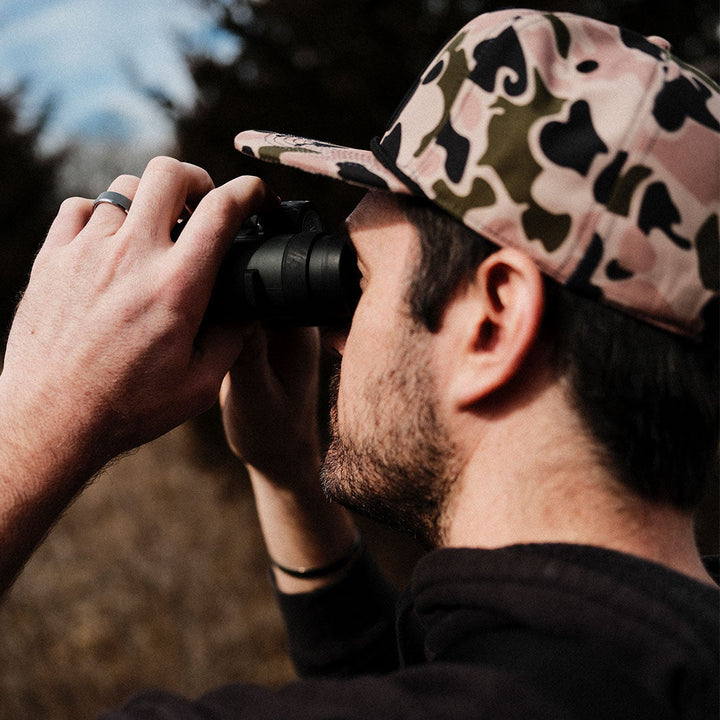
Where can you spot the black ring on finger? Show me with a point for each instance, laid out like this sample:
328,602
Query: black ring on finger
113,198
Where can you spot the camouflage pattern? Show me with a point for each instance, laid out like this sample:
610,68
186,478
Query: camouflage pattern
590,148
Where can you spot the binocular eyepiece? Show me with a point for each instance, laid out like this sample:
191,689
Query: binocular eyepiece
282,268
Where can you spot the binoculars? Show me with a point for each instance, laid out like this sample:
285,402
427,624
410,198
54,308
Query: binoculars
283,269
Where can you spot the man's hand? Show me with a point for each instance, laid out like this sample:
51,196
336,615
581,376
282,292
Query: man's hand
108,349
107,345
269,403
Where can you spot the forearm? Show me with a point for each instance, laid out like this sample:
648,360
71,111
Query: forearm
108,349
346,628
269,403
302,529
343,623
40,472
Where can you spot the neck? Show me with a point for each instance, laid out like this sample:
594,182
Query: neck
541,481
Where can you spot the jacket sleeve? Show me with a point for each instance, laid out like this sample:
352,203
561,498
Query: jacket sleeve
344,629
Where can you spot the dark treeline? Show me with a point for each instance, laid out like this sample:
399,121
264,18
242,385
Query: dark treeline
336,71
29,197
329,70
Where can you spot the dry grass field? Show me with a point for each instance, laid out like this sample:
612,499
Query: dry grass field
156,576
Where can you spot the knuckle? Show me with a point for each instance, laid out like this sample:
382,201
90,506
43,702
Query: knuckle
248,191
164,165
74,204
255,188
161,162
125,184
214,200
125,179
219,203
217,206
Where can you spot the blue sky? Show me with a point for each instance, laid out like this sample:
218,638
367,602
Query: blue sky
87,57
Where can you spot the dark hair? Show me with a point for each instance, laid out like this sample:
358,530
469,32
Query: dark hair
649,398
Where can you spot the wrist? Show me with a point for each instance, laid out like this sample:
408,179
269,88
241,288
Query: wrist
304,531
333,569
42,442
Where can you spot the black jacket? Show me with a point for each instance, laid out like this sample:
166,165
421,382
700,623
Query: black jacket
533,631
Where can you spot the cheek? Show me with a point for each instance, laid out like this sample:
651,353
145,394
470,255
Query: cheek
352,371
369,339
365,352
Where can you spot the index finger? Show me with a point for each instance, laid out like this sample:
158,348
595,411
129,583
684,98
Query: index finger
209,231
166,186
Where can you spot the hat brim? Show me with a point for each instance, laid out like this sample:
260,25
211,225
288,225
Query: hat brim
349,165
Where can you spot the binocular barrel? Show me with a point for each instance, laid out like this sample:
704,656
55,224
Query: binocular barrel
282,268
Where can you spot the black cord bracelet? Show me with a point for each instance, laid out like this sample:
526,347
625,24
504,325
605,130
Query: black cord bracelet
324,570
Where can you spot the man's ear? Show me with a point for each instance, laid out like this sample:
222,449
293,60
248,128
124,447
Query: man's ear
495,322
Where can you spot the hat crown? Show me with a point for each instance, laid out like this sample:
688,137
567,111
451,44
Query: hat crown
589,147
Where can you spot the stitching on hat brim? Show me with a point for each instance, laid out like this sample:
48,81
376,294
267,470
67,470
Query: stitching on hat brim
329,155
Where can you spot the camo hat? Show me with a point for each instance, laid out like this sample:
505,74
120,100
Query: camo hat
590,148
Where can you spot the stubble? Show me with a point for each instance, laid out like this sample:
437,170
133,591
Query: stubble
396,465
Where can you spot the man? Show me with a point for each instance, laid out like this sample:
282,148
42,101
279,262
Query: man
528,385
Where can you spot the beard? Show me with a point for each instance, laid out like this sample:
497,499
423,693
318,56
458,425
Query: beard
398,467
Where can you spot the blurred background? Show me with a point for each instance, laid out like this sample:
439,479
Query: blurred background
156,576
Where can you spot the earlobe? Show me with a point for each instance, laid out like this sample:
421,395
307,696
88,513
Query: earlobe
500,321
